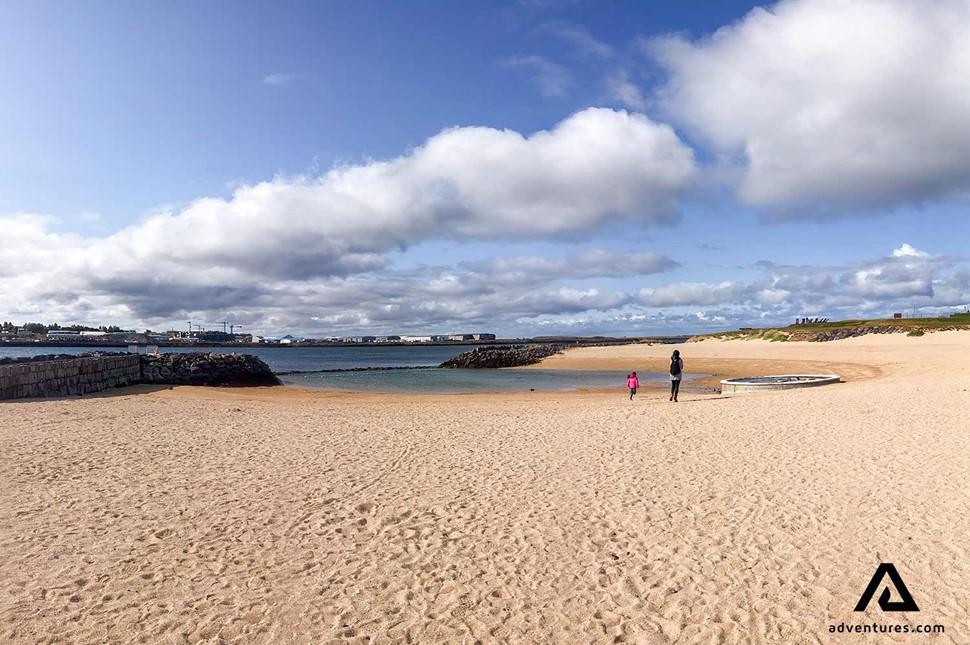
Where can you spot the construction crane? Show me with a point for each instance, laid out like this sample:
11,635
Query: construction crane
198,328
232,328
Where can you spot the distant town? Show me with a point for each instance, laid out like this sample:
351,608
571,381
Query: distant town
37,332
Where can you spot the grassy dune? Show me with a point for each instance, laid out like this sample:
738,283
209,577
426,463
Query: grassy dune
818,331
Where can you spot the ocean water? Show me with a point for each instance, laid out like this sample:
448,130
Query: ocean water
456,381
290,359
330,368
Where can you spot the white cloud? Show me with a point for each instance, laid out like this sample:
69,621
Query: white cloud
908,251
552,79
831,105
882,284
28,248
286,78
840,291
691,294
579,38
588,264
272,244
624,92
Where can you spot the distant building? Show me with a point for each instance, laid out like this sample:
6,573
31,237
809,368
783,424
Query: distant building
284,340
470,337
63,335
414,338
125,337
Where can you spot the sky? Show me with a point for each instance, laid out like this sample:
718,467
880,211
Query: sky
525,168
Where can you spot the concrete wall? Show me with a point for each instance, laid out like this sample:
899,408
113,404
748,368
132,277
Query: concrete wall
64,377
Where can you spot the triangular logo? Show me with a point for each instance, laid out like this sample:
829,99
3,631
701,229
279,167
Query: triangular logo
905,604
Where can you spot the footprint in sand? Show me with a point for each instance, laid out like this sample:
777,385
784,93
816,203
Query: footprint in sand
631,587
464,606
501,631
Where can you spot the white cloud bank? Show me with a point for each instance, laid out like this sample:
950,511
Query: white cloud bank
907,276
831,105
596,168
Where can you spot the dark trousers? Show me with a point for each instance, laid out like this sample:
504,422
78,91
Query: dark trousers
674,388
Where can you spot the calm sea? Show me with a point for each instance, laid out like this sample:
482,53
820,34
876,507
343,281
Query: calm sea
310,361
292,359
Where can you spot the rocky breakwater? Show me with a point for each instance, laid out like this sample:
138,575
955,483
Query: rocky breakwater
493,356
852,332
862,330
198,368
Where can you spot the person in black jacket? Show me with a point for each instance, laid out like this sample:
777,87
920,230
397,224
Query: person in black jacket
676,371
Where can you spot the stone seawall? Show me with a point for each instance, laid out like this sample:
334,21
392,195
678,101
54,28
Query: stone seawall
67,375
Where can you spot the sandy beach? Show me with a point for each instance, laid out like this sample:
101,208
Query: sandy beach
190,515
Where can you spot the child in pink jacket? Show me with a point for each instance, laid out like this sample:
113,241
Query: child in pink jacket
633,383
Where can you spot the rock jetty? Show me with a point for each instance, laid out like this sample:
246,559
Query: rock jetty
197,368
861,330
493,356
43,358
69,375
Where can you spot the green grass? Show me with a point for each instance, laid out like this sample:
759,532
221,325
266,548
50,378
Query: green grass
915,327
906,323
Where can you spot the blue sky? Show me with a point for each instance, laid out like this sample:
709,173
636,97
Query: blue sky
524,167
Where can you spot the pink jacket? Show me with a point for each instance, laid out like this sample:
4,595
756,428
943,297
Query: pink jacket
633,382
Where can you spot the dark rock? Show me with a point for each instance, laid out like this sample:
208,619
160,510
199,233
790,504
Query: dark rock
493,356
850,332
52,358
204,368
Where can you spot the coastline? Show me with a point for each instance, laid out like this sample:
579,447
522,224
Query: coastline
722,359
277,515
